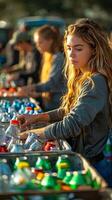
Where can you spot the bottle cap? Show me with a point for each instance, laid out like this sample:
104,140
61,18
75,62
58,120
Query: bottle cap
14,121
28,108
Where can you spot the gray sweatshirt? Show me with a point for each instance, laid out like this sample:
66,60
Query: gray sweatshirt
86,126
56,84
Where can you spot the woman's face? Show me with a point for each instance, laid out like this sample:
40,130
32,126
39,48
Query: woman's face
42,44
78,52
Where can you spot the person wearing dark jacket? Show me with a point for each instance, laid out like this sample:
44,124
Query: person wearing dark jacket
29,63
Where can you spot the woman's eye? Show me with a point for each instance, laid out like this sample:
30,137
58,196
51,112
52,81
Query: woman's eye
78,49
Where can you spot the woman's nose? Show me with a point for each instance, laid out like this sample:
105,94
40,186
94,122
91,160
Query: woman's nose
72,53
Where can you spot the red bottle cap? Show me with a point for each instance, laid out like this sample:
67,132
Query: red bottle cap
14,121
28,108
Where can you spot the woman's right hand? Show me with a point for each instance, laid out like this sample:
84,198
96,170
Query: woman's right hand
25,121
25,90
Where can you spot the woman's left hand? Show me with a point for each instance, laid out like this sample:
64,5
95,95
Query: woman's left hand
39,132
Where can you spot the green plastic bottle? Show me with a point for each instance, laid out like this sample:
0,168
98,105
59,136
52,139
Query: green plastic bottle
77,180
88,177
21,162
63,162
95,184
68,177
50,182
43,162
63,165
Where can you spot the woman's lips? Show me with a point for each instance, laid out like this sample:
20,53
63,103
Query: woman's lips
73,61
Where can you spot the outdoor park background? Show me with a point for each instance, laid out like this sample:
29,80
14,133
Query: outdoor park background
101,10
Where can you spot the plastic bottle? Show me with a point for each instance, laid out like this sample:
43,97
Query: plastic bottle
19,160
78,179
43,162
4,168
5,120
37,110
21,176
29,111
22,110
17,147
63,165
49,182
12,131
108,148
3,147
49,146
30,139
36,146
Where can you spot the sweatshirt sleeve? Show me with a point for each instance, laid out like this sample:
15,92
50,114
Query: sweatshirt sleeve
56,115
56,76
90,103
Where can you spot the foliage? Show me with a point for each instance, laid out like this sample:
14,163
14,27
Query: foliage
13,9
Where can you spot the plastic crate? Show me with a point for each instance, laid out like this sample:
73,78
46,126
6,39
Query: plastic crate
78,163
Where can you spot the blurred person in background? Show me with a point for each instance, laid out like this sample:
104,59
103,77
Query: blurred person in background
52,84
11,52
27,70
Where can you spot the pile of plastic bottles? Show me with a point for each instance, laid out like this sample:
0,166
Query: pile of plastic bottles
45,174
9,129
9,126
9,110
7,88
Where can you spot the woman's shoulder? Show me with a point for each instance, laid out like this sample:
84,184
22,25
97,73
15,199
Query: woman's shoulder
100,81
98,76
97,83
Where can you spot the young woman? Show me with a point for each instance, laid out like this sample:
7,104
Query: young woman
52,84
85,115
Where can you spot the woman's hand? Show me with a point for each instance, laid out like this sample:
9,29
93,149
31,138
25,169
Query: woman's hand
26,90
23,135
39,132
26,120
22,91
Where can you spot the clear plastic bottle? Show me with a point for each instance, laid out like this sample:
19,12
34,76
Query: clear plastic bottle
3,146
5,119
4,168
12,131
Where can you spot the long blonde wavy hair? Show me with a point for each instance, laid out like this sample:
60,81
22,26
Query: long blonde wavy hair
100,61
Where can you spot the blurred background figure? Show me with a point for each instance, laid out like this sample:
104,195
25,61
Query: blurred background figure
52,84
12,53
26,70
